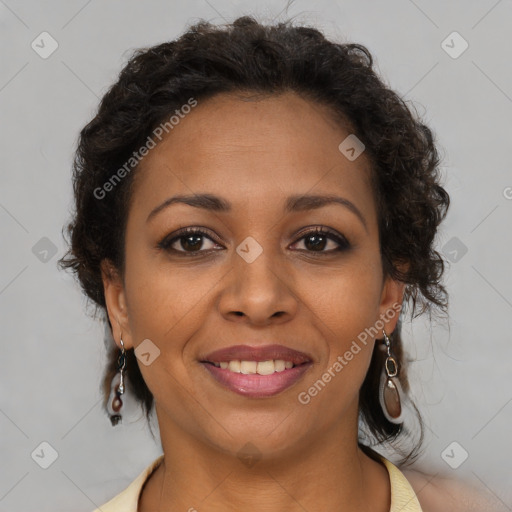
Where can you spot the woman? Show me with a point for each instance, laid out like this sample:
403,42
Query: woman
255,211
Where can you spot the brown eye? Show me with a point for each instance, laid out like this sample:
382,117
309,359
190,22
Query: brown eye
189,241
317,240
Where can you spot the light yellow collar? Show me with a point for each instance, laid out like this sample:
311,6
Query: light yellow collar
403,497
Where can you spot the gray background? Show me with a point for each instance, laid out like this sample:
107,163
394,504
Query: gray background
53,353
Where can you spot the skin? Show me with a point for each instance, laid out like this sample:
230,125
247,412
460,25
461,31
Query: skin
254,154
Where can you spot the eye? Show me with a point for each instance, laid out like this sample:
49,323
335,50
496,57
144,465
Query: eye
187,240
318,239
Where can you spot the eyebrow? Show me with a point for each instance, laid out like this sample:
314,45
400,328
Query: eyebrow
297,203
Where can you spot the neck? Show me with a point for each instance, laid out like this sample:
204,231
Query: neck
329,473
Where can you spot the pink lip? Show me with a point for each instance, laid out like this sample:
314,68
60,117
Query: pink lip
261,353
254,385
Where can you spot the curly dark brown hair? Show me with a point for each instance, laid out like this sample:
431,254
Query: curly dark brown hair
247,56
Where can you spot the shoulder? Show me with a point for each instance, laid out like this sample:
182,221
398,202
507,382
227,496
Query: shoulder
128,499
438,494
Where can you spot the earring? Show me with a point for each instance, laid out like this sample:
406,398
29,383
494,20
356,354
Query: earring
390,390
115,404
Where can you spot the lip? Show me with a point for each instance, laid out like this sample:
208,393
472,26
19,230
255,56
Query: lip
258,354
255,385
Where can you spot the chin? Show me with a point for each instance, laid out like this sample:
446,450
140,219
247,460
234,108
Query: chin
267,442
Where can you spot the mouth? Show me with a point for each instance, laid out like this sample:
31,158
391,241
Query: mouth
257,372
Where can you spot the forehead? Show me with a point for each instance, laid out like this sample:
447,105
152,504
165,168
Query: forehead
253,151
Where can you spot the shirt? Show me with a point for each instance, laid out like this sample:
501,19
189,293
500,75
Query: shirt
403,497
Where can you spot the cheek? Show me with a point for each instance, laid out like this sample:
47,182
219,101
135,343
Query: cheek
343,317
348,300
163,301
168,306
344,308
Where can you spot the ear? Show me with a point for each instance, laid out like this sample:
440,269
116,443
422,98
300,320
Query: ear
115,299
391,301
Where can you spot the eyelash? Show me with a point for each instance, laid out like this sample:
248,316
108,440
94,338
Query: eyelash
167,242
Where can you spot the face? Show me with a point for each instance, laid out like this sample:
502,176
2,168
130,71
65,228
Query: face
262,263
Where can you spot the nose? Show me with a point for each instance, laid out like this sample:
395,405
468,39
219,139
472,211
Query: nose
258,293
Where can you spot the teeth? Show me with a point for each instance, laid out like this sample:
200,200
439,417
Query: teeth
248,367
253,367
266,367
280,365
234,366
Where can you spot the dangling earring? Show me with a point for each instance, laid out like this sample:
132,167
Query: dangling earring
115,404
390,390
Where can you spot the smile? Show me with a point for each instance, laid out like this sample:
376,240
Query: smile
253,367
243,380
257,371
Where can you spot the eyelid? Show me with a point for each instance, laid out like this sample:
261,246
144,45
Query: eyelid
339,238
168,240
